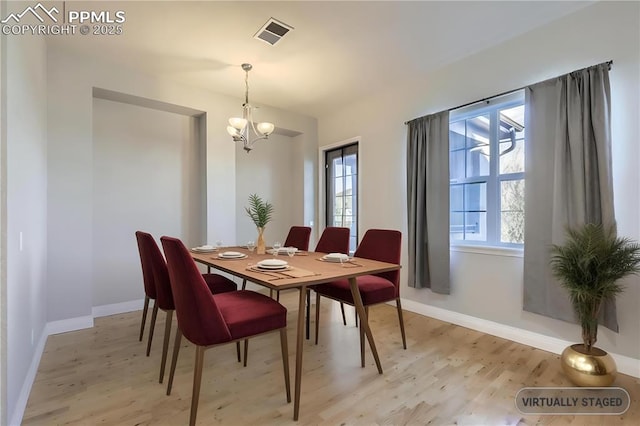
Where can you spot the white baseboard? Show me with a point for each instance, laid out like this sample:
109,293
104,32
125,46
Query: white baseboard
625,364
117,308
78,323
23,397
66,325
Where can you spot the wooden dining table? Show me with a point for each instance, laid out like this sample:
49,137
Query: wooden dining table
304,269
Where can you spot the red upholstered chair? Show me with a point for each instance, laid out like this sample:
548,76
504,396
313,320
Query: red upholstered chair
333,240
156,276
298,237
149,291
209,320
377,244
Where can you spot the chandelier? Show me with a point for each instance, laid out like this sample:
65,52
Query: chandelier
238,127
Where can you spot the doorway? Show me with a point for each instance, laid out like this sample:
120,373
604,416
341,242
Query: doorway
341,190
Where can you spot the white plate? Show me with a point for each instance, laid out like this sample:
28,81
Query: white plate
272,268
231,254
272,263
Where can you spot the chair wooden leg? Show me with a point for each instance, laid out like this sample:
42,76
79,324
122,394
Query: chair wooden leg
197,379
317,315
174,359
344,318
246,351
285,362
238,351
308,312
154,314
404,338
355,314
144,316
244,284
165,345
277,295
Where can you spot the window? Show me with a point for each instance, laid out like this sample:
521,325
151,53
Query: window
486,171
341,183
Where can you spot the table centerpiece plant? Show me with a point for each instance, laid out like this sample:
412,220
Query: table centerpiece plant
590,265
261,213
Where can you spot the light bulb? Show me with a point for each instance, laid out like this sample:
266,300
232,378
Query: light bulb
232,131
266,128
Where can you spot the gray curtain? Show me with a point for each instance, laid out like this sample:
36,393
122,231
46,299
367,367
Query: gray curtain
568,178
428,202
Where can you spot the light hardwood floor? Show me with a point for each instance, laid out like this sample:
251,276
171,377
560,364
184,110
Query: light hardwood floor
448,375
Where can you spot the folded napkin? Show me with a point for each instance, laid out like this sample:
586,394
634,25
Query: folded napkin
346,264
289,272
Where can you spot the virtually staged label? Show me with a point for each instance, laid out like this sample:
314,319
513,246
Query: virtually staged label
573,400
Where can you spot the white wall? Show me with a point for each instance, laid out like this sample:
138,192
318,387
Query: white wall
146,176
26,192
3,225
305,182
283,171
490,286
267,171
71,174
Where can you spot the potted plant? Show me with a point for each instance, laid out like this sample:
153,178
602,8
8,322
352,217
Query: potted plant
590,265
260,212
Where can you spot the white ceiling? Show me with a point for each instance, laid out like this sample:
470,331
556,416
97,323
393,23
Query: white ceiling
338,52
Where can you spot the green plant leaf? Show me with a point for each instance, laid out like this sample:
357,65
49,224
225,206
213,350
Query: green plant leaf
259,211
589,266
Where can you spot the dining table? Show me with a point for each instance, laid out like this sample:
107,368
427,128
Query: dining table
303,270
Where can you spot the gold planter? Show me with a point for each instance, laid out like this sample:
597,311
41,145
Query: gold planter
594,369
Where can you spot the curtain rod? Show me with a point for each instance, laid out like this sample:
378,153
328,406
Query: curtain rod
609,63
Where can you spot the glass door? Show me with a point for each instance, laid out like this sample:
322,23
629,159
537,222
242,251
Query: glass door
341,186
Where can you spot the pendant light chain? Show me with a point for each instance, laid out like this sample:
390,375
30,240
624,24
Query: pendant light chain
246,85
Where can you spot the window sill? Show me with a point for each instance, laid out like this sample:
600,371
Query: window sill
488,250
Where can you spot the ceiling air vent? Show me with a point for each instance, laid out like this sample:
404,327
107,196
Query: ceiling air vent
272,31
